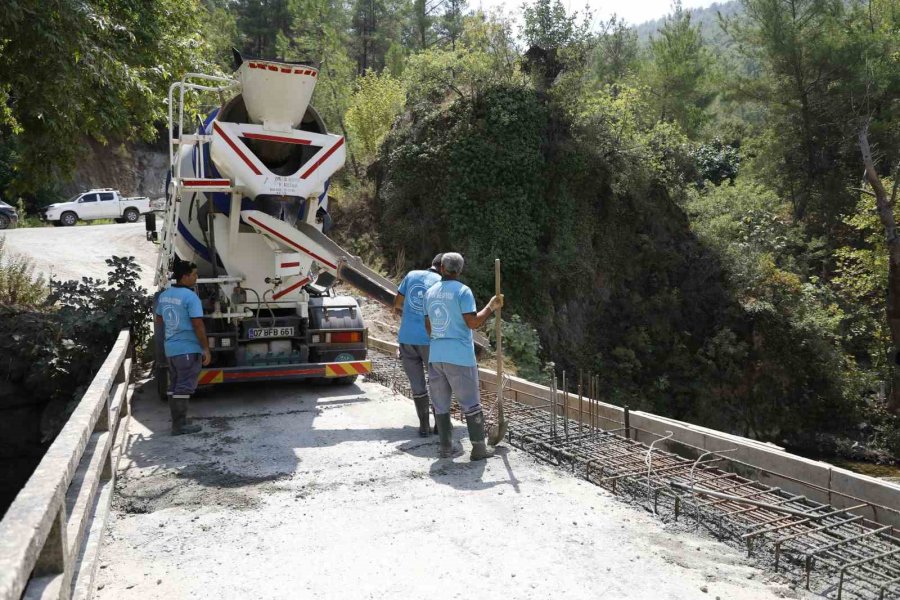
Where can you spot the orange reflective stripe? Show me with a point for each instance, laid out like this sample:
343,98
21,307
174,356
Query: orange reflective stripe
347,368
209,376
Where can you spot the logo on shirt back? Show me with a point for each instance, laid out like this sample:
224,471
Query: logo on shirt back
440,320
171,319
417,297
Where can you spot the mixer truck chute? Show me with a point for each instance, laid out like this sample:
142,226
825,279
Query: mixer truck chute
248,202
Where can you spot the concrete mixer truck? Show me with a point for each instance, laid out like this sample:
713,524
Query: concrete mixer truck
247,201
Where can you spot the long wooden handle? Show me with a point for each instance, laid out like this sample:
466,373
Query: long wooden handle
497,331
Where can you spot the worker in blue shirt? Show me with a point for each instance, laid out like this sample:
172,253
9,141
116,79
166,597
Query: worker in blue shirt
179,312
413,338
452,370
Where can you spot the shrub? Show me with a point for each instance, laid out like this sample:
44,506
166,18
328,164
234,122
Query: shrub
18,284
50,351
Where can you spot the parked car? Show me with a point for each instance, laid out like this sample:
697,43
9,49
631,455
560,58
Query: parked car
9,218
103,203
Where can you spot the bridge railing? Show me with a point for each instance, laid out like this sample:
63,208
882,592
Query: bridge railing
50,536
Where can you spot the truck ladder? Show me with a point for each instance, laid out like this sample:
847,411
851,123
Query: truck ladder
179,184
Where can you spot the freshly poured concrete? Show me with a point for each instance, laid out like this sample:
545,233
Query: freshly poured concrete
297,491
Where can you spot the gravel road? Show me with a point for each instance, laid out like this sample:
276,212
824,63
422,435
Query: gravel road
76,252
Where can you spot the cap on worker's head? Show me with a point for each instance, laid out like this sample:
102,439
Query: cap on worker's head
436,261
182,268
452,262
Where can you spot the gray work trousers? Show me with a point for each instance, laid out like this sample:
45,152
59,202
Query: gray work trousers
415,360
446,380
184,370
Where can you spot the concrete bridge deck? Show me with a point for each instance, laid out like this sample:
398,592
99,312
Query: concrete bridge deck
326,492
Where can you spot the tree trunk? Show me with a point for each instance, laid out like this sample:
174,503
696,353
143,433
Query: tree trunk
885,208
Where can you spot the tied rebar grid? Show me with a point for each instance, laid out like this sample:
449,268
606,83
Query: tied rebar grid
854,554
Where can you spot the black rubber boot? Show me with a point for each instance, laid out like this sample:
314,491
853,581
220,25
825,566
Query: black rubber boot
475,423
178,406
445,431
423,410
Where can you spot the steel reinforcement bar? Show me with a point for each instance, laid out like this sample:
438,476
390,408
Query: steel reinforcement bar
848,552
50,536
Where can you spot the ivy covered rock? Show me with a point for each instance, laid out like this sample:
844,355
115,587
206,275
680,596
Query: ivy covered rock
601,259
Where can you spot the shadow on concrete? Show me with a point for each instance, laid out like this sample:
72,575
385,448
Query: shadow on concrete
459,472
253,438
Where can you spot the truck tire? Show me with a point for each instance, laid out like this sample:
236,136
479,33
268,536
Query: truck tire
68,218
4,221
345,380
131,215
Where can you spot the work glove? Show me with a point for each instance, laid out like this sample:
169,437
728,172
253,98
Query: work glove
496,302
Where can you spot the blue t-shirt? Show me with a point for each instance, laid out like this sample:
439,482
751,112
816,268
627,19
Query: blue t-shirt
451,339
413,288
177,306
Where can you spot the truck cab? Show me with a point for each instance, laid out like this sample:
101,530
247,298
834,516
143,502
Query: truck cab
101,203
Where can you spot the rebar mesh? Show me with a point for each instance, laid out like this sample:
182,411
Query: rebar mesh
849,553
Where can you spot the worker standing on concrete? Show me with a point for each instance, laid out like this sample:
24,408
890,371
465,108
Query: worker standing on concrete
413,338
179,311
450,318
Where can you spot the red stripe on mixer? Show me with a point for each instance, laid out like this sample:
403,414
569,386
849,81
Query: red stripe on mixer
323,158
236,149
277,138
290,289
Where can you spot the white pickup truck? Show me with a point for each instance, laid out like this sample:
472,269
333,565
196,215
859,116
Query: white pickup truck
96,204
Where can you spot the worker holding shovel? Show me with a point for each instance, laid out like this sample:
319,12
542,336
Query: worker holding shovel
450,318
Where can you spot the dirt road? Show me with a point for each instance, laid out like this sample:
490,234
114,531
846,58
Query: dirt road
295,491
76,252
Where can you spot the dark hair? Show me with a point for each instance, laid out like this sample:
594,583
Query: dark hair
182,268
436,261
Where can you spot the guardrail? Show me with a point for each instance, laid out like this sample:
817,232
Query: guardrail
50,536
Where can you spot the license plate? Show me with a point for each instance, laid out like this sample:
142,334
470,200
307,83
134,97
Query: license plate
269,332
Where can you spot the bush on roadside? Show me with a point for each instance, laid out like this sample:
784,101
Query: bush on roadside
51,349
18,284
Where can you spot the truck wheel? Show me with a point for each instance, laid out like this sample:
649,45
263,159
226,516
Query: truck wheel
132,215
345,380
4,221
68,218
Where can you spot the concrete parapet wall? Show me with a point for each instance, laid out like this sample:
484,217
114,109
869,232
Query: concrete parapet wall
769,464
45,532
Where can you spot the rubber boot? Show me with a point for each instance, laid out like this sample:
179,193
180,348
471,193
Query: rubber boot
445,431
178,406
424,412
475,423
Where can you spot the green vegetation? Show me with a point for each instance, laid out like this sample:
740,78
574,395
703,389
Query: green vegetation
53,339
55,336
679,208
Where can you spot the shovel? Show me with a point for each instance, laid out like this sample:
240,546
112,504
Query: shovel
498,429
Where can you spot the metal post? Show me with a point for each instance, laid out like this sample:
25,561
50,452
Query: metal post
627,423
211,222
565,406
580,404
